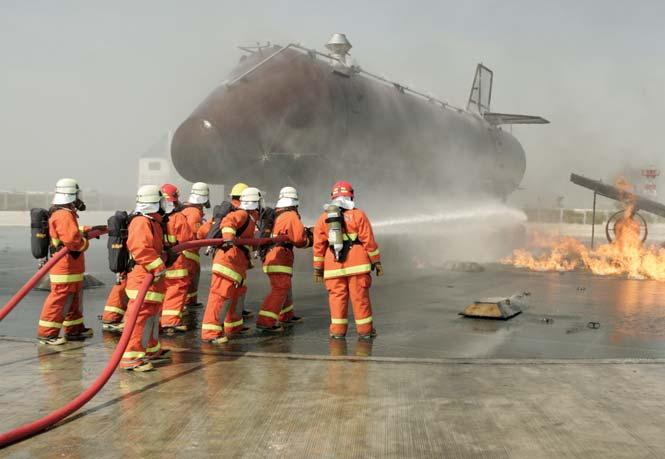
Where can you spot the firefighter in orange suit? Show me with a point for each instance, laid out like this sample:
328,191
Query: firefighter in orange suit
145,245
278,264
116,306
63,307
199,197
236,191
234,196
345,253
177,278
229,271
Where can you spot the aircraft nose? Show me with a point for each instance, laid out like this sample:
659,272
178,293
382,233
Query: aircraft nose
196,150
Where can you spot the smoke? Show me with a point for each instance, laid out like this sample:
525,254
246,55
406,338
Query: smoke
431,174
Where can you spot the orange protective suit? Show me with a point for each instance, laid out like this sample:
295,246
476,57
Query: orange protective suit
177,276
350,279
63,306
116,303
194,214
278,265
242,290
229,271
145,244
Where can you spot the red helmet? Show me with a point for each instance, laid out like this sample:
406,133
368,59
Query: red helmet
170,192
342,188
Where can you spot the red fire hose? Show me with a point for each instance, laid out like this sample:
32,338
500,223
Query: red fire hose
254,242
58,415
16,299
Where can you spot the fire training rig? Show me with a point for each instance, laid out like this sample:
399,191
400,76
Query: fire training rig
636,202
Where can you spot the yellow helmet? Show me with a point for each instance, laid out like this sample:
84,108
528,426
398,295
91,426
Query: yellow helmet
237,189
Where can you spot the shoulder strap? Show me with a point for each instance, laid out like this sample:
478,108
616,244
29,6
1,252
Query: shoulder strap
244,225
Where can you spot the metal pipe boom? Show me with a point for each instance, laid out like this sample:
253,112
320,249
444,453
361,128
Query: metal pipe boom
616,193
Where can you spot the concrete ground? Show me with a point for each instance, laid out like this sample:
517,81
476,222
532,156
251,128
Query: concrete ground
432,384
206,405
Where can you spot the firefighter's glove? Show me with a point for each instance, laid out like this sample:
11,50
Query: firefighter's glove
318,276
378,267
171,257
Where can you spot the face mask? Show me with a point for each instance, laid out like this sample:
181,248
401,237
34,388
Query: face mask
167,206
344,202
249,205
79,205
148,208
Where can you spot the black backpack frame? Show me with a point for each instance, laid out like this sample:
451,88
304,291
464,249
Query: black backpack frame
39,233
118,254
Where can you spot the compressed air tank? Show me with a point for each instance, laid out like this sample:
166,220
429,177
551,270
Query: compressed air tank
298,120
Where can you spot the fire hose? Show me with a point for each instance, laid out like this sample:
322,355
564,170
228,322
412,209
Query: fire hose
16,299
56,416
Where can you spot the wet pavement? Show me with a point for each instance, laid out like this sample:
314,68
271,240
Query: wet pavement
543,384
415,312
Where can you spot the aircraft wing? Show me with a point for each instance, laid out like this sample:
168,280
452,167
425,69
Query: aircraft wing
506,118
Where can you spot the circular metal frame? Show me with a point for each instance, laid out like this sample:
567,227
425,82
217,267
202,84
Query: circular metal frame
617,217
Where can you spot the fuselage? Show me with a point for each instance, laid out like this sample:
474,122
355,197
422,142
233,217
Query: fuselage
295,121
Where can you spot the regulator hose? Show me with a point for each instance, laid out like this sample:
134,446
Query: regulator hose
16,299
32,428
58,415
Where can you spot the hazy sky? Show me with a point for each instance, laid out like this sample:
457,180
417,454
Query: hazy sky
87,87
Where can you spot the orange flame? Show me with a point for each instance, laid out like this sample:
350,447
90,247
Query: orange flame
626,255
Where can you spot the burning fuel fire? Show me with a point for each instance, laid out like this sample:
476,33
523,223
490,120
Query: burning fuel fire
625,255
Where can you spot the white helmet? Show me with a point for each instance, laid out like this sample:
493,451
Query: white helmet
250,198
148,199
66,191
288,192
200,193
288,197
148,194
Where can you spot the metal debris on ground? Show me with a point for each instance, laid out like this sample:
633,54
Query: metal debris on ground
497,307
547,320
581,289
593,325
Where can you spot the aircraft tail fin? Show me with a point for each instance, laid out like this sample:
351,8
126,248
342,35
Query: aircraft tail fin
481,90
506,118
480,99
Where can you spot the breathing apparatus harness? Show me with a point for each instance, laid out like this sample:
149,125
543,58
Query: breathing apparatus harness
339,245
215,232
41,243
120,259
266,225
